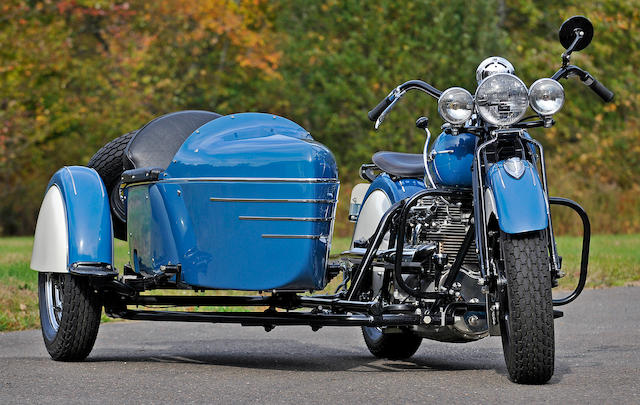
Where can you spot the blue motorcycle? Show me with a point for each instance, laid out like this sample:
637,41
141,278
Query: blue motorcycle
454,244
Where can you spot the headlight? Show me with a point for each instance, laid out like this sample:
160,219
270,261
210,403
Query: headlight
546,96
502,99
455,105
491,66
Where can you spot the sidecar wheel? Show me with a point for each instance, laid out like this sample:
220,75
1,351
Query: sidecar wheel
69,315
393,346
527,309
108,162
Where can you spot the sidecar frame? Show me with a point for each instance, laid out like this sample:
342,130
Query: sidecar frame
328,310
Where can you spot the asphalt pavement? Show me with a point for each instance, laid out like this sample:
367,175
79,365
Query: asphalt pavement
597,361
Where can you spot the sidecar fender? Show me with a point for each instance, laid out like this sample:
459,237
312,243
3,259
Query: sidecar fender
519,205
74,230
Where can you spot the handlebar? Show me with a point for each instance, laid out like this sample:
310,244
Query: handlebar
600,89
377,110
399,91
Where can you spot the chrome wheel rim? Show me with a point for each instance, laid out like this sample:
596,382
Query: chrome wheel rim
53,293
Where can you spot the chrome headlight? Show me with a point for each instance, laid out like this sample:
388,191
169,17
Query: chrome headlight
455,105
502,99
546,96
491,66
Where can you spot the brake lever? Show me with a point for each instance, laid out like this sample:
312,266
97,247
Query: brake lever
397,95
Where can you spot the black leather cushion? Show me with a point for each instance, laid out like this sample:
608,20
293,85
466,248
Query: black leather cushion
157,142
400,164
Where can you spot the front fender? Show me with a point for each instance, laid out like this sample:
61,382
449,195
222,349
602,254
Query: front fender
74,230
520,205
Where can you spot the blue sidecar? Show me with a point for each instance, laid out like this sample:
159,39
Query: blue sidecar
247,203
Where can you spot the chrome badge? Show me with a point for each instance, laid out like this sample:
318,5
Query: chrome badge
514,167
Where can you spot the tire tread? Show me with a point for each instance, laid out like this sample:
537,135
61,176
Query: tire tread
530,359
108,162
78,329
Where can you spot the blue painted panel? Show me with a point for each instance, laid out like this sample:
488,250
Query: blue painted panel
151,241
395,190
190,216
521,203
453,169
218,249
252,145
88,214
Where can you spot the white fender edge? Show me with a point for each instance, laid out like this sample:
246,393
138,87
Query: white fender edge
490,206
51,241
374,208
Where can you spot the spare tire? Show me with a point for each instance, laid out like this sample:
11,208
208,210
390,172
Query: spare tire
108,162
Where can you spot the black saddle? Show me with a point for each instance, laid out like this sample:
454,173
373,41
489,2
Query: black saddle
400,164
155,144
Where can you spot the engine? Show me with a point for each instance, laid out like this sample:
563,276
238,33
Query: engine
442,225
439,222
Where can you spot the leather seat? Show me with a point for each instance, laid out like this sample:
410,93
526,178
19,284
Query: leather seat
400,164
155,144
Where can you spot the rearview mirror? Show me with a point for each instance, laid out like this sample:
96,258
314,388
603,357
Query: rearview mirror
576,33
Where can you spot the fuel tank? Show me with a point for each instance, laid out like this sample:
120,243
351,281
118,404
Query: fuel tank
452,159
248,203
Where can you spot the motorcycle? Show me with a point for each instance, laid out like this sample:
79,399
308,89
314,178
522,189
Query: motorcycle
454,244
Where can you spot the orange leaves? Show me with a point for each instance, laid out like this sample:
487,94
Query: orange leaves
239,25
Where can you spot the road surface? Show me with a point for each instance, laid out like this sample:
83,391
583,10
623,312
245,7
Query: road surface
597,361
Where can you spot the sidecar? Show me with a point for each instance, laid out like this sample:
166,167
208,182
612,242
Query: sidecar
237,202
245,202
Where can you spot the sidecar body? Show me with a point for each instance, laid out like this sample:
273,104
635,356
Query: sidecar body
246,203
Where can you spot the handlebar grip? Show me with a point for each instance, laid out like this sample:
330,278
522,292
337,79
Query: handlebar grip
377,110
601,90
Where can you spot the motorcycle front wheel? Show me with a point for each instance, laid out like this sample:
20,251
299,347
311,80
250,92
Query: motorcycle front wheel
526,307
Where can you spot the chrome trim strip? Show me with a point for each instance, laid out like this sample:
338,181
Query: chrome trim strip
269,236
73,182
251,218
253,179
485,268
273,200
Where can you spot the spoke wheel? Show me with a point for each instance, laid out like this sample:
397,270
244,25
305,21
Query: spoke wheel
69,315
53,297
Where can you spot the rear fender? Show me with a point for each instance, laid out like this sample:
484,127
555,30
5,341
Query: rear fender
519,204
74,231
382,194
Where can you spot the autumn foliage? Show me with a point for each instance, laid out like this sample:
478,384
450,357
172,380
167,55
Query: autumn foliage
75,74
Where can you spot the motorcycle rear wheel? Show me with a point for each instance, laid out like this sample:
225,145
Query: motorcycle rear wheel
393,346
527,309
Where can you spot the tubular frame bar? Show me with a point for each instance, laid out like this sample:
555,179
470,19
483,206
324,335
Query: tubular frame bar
282,300
376,239
586,240
272,318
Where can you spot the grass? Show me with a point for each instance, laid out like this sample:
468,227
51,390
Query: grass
614,261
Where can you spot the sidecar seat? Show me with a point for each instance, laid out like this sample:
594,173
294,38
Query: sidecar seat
155,144
400,164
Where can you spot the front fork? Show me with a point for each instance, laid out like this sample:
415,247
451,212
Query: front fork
491,281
